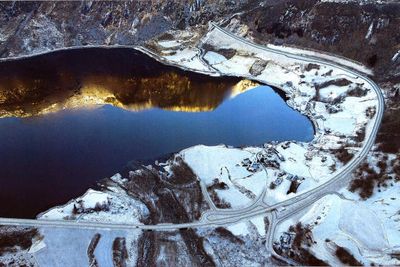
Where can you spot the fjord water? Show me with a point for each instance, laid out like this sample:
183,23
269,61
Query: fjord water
45,160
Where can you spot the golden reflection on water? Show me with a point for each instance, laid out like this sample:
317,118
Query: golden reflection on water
87,78
24,97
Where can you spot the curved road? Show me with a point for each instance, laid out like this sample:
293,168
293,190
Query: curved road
277,212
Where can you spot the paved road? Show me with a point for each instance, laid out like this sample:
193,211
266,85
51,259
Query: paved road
279,211
341,176
338,180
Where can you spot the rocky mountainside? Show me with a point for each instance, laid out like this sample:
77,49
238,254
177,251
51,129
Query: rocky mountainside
39,26
367,33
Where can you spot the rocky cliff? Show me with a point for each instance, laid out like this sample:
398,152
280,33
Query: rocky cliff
366,32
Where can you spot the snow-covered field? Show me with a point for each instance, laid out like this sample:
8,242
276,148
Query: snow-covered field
369,229
70,247
335,101
110,206
340,105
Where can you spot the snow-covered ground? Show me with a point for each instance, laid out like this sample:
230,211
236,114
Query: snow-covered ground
369,229
322,92
70,247
340,107
246,248
334,100
110,206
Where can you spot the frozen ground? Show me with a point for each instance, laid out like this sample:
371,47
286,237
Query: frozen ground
336,102
369,229
340,105
71,247
112,206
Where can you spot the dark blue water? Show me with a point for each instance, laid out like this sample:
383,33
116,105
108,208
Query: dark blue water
47,160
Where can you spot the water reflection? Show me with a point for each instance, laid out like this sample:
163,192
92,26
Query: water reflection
47,160
87,77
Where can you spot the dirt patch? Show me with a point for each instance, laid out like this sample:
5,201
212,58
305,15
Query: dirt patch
311,66
258,67
228,53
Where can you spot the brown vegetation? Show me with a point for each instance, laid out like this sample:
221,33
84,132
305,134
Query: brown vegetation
219,203
173,197
147,249
334,101
182,174
342,154
223,232
311,66
357,91
305,257
360,135
337,82
177,245
303,238
13,238
370,112
346,257
194,244
211,189
339,28
228,53
91,248
366,178
78,208
364,183
299,251
293,187
389,134
120,254
303,235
